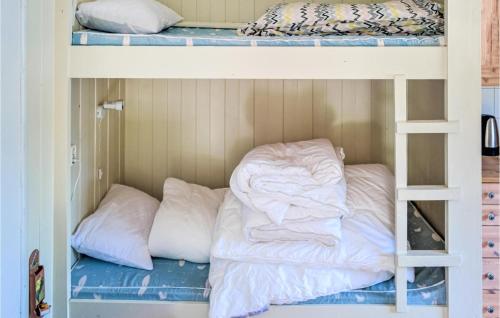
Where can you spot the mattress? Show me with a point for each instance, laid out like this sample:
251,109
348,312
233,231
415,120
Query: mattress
177,280
177,36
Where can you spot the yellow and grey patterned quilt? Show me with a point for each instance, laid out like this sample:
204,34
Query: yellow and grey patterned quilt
396,17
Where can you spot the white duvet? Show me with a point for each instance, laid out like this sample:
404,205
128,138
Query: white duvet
258,228
247,277
292,180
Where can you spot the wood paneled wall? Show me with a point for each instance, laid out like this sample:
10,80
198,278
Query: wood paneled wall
198,130
490,51
98,141
231,11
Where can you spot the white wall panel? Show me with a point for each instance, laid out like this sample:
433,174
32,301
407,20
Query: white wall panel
199,130
232,11
98,141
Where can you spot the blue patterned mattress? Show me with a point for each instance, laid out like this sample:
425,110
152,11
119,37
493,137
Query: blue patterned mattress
174,280
177,36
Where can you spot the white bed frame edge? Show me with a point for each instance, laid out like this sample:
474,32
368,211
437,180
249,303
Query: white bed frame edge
158,309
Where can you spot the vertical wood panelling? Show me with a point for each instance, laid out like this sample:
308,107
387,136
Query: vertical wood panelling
268,111
121,128
76,169
217,143
189,11
334,115
145,135
378,120
87,146
199,130
113,117
160,136
319,108
239,123
356,120
389,124
131,141
232,11
203,10
173,128
188,131
203,131
99,142
298,110
218,10
101,126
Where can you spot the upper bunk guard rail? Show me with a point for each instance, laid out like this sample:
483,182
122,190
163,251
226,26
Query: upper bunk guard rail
401,180
208,62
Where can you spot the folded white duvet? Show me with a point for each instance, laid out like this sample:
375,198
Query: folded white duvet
247,277
367,244
293,180
258,227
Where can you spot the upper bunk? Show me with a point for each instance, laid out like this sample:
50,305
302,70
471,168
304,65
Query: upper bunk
209,47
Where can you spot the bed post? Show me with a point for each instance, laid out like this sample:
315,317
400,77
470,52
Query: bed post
401,176
463,157
62,125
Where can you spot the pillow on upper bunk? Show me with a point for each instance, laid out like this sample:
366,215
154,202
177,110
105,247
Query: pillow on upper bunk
185,221
126,16
408,17
118,231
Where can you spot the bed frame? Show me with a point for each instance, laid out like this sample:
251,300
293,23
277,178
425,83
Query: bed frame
458,64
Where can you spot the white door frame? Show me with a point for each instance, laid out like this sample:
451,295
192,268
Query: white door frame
13,266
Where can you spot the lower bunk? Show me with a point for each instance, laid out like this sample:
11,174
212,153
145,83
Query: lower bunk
176,288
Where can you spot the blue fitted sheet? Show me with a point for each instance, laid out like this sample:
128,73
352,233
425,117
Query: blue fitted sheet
177,36
174,280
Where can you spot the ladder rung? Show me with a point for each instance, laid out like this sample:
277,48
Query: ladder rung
428,193
428,259
427,127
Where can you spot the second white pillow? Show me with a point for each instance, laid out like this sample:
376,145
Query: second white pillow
126,16
184,223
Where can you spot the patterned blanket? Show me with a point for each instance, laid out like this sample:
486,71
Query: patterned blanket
396,17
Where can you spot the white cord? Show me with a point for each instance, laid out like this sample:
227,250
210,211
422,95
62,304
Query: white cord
77,180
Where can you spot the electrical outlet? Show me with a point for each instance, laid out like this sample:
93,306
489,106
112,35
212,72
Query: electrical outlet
74,154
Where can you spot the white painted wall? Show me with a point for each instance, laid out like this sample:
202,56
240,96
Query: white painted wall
39,165
12,208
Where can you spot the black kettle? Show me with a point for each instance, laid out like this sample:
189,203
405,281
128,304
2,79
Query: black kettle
489,136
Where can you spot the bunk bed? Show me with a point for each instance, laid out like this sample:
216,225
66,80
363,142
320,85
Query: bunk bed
217,54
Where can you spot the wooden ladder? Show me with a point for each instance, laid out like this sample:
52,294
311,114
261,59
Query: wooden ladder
405,193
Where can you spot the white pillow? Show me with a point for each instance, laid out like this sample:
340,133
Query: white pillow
118,231
184,223
126,16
